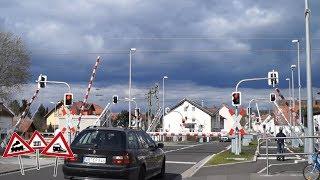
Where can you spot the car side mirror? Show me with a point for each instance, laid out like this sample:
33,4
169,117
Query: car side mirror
160,145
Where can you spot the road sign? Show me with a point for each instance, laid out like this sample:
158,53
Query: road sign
58,147
37,141
236,124
17,146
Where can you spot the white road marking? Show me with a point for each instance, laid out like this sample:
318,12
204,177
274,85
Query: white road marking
180,162
274,165
174,150
191,171
175,145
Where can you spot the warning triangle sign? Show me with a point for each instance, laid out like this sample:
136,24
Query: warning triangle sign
58,147
17,146
37,141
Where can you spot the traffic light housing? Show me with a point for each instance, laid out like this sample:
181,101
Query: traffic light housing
137,112
68,99
249,111
236,98
272,97
115,99
42,78
273,78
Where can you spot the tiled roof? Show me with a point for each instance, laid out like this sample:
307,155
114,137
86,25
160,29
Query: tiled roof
209,111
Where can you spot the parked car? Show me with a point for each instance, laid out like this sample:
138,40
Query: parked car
117,153
225,139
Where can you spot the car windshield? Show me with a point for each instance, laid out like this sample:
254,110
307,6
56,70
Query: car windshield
100,138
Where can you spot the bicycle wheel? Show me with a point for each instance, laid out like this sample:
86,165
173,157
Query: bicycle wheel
310,172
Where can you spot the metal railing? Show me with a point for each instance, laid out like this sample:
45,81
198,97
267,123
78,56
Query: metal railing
282,154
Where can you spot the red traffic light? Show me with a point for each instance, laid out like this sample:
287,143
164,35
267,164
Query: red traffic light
236,98
68,99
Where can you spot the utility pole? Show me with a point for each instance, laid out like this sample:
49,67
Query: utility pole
152,93
309,83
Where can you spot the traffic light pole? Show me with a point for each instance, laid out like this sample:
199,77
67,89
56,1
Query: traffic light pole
252,79
249,113
56,82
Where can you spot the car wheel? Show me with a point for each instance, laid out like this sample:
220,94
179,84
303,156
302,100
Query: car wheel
142,173
163,169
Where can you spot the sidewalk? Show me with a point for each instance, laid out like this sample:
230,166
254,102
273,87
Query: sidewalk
8,165
253,170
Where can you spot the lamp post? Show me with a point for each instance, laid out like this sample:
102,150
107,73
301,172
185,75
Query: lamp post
132,50
290,116
164,77
299,79
292,94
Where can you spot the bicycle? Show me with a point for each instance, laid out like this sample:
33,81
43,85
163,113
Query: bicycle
312,171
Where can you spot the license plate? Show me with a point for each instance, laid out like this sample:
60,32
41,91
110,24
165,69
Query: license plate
94,160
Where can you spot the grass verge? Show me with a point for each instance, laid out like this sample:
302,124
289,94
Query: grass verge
225,157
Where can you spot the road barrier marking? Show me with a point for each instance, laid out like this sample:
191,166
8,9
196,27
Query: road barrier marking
180,162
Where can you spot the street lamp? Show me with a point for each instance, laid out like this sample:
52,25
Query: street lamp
288,79
292,94
132,50
164,77
299,81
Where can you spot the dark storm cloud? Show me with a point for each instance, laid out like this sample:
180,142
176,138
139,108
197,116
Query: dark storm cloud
65,37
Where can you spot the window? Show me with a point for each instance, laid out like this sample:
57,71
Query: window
142,142
132,141
193,108
193,119
149,139
100,138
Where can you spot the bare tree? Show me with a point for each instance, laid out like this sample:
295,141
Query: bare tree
14,64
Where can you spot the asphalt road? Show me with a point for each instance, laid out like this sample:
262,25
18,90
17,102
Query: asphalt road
179,159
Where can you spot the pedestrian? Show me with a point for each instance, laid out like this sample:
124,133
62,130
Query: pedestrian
280,144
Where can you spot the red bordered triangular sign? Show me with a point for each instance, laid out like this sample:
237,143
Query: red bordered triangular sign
58,147
37,141
17,146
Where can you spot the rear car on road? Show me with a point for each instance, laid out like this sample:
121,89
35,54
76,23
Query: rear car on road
115,153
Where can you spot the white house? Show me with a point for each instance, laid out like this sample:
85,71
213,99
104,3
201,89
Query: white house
189,116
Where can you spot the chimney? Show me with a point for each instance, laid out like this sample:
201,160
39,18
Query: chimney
202,103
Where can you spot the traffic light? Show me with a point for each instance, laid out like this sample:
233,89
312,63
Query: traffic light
115,99
42,78
137,112
236,98
68,98
272,97
249,111
273,78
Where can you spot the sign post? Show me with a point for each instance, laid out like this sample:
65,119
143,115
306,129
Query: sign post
37,142
58,147
16,147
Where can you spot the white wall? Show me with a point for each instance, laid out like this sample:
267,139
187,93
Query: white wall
173,120
85,121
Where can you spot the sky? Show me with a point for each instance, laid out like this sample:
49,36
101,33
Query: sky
204,47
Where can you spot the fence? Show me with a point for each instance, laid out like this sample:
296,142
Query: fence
186,136
267,139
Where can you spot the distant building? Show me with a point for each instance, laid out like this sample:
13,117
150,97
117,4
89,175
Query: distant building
58,116
189,116
6,119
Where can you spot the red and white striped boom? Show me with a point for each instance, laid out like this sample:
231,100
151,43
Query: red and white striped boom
88,90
